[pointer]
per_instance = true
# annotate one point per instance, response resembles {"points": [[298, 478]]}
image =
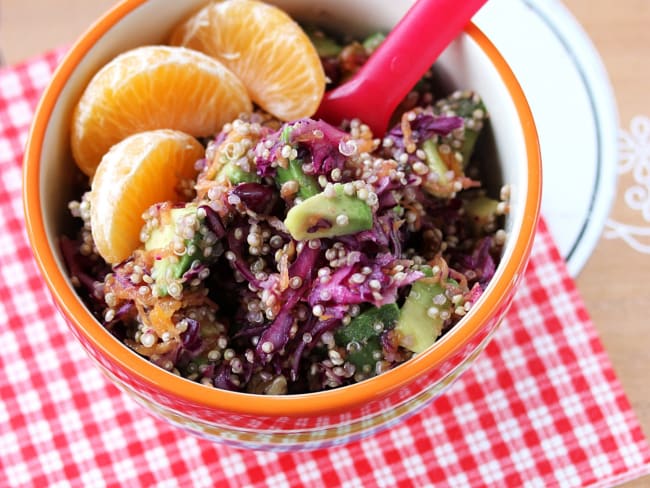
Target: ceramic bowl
{"points": [[299, 421]]}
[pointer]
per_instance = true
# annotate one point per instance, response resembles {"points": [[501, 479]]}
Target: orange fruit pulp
{"points": [[141, 170], [153, 87], [265, 48]]}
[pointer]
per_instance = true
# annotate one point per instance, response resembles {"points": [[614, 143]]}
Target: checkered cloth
{"points": [[541, 407]]}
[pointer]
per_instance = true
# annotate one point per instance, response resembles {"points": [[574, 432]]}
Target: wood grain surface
{"points": [[614, 282]]}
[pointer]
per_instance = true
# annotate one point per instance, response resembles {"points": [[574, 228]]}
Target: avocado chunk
{"points": [[372, 42], [370, 323], [435, 162], [236, 175], [470, 107], [307, 184], [330, 213], [482, 213], [459, 144], [229, 169], [326, 47], [422, 316], [171, 267], [361, 337]]}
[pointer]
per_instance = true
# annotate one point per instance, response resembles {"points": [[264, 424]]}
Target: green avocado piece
{"points": [[471, 136], [366, 356], [364, 333], [307, 184], [482, 214], [417, 328], [366, 324], [326, 215], [172, 267], [435, 162], [236, 175], [326, 47], [230, 171], [470, 107], [373, 41]]}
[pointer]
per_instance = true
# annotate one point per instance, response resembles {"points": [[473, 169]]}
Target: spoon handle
{"points": [[409, 50], [415, 43]]}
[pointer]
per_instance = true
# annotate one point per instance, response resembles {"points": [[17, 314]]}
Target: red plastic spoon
{"points": [[410, 49]]}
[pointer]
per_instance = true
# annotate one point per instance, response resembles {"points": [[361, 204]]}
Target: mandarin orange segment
{"points": [[141, 170], [265, 48], [154, 87]]}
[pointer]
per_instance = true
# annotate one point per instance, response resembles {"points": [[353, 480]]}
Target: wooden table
{"points": [[613, 283]]}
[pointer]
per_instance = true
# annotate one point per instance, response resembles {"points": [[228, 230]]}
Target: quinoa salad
{"points": [[305, 256]]}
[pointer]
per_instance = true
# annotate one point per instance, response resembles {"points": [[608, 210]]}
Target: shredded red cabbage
{"points": [[424, 126]]}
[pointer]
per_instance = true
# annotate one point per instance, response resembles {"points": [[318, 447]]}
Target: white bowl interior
{"points": [[463, 65]]}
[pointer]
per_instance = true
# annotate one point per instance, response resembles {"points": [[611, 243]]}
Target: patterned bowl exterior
{"points": [[276, 422]]}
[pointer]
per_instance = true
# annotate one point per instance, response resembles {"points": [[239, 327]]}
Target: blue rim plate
{"points": [[575, 111]]}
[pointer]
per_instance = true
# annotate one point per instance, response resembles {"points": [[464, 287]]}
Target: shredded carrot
{"points": [[159, 348], [388, 167], [365, 143], [160, 317], [460, 277], [284, 272], [444, 269], [291, 249], [397, 224], [452, 163], [409, 144], [126, 293], [416, 211]]}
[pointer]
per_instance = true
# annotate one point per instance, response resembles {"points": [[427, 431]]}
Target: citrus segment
{"points": [[154, 87], [141, 170], [265, 48]]}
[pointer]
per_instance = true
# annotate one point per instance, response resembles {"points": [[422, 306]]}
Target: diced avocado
{"points": [[373, 41], [419, 328], [329, 214], [435, 162], [169, 269], [172, 267], [326, 47], [471, 136], [285, 135], [470, 107], [229, 170], [237, 175], [482, 213], [365, 357], [160, 237], [365, 325], [361, 336], [465, 104], [307, 184]]}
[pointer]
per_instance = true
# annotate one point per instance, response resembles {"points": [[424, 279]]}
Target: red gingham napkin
{"points": [[541, 407]]}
